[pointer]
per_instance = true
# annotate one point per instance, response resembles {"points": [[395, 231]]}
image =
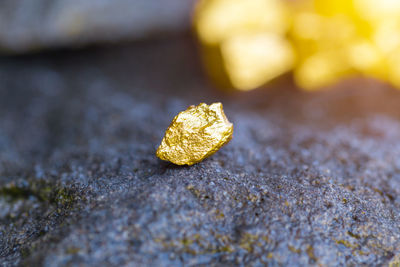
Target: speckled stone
{"points": [[309, 179]]}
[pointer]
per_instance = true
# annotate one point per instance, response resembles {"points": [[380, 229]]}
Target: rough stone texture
{"points": [[308, 179], [31, 25]]}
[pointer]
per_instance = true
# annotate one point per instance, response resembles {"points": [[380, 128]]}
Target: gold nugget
{"points": [[195, 134]]}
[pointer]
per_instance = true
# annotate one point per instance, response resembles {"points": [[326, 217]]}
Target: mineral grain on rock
{"points": [[311, 179], [195, 134]]}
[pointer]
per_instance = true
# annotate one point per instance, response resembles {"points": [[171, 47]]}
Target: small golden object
{"points": [[195, 134]]}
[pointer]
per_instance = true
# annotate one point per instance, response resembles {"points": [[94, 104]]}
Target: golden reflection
{"points": [[244, 42], [253, 59], [247, 43]]}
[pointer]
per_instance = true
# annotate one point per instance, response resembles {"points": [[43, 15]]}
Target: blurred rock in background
{"points": [[27, 25]]}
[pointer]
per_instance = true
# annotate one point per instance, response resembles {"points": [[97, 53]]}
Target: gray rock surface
{"points": [[27, 25], [308, 179]]}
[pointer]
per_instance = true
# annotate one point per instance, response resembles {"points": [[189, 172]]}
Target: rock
{"points": [[195, 134], [308, 179], [27, 25]]}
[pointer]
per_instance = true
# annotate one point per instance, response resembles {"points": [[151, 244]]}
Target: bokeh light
{"points": [[244, 43], [247, 43]]}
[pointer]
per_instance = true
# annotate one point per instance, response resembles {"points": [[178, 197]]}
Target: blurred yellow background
{"points": [[247, 43]]}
